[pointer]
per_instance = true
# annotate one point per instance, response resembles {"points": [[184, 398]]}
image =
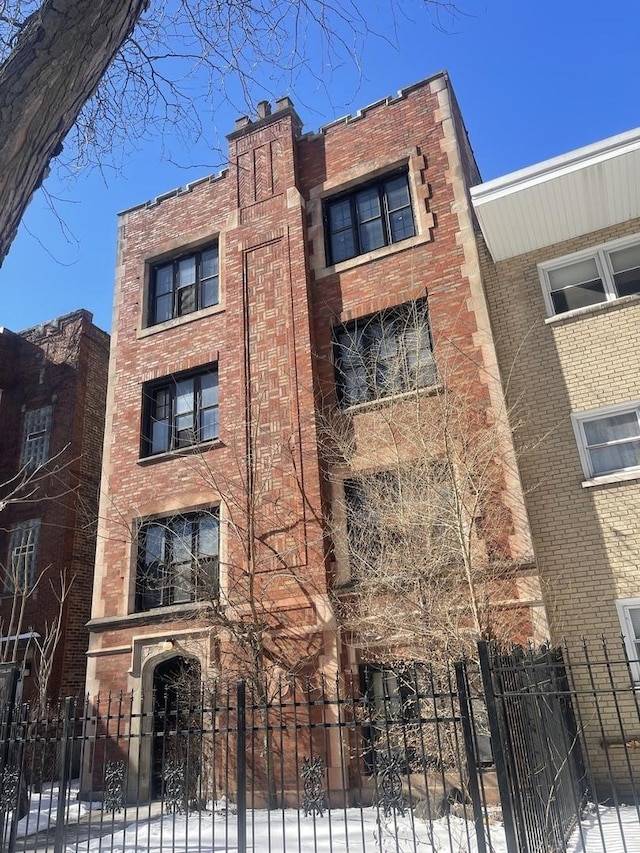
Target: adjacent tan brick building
{"points": [[561, 263]]}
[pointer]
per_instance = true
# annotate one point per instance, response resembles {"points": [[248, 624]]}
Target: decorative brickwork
{"points": [[271, 338]]}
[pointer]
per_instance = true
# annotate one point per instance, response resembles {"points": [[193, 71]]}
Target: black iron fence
{"points": [[530, 751], [565, 731]]}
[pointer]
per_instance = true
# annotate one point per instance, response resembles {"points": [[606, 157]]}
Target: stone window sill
{"points": [[607, 479]]}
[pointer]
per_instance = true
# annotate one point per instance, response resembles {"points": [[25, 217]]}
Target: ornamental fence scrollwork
{"points": [[389, 770], [312, 772], [114, 776], [174, 787]]}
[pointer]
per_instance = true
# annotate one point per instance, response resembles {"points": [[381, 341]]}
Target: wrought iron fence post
{"points": [[10, 678], [241, 772], [471, 754], [21, 738], [65, 773], [504, 787]]}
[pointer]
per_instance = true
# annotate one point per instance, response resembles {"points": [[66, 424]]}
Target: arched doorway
{"points": [[176, 739]]}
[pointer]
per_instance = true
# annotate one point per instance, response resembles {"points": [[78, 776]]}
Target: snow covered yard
{"points": [[616, 831], [144, 829], [352, 830]]}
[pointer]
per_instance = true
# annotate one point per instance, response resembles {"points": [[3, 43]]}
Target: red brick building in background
{"points": [[53, 381], [215, 537]]}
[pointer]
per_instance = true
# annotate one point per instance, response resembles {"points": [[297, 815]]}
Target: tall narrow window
{"points": [[384, 354], [178, 559], [20, 572], [36, 437], [184, 285], [369, 217], [180, 411]]}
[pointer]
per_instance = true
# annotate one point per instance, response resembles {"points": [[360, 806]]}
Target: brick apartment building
{"points": [[246, 313], [53, 381], [561, 265]]}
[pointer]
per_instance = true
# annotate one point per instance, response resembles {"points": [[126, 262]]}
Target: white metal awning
{"points": [[579, 192]]}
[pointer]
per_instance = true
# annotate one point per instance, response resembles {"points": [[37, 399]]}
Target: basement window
{"points": [[601, 274], [368, 217], [629, 615]]}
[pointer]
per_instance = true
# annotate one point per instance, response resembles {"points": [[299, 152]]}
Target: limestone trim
{"points": [[521, 543], [172, 249], [415, 164]]}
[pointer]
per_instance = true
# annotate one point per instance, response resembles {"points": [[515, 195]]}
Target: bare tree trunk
{"points": [[59, 58]]}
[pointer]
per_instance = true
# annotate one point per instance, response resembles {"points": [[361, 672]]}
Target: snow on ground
{"points": [[43, 810], [143, 829], [616, 831], [352, 830]]}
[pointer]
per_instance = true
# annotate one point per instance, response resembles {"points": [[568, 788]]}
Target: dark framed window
{"points": [[410, 509], [178, 559], [366, 499], [368, 217], [180, 411], [384, 354], [392, 701], [183, 285]]}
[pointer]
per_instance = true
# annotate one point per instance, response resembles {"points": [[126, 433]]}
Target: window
{"points": [[180, 411], [178, 559], [393, 516], [587, 278], [609, 439], [365, 501], [35, 441], [384, 354], [23, 553], [629, 615], [367, 218], [184, 285]]}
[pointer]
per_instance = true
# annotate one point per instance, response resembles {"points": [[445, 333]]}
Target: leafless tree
{"points": [[419, 470], [116, 69], [257, 498], [32, 484]]}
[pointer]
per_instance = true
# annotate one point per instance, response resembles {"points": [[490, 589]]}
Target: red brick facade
{"points": [[62, 365], [271, 339]]}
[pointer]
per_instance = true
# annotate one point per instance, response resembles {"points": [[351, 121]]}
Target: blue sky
{"points": [[534, 79]]}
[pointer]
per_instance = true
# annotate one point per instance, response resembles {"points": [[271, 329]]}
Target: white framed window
{"points": [[35, 440], [600, 274], [629, 615], [609, 439], [23, 553]]}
